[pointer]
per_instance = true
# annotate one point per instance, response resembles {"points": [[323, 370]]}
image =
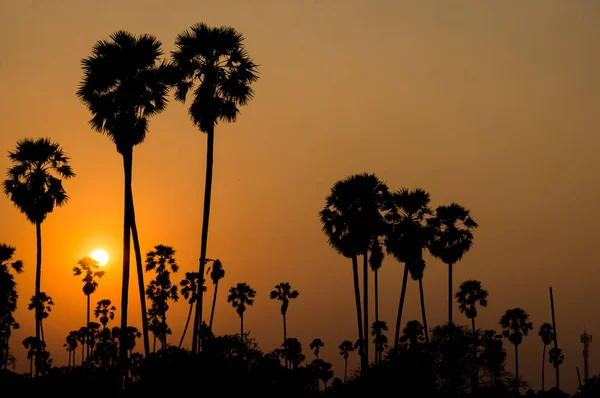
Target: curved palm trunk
{"points": [[285, 350], [517, 369], [205, 219], [377, 331], [401, 307], [358, 309], [423, 313], [366, 310], [187, 323], [450, 303], [140, 273], [212, 310], [123, 357], [543, 366]]}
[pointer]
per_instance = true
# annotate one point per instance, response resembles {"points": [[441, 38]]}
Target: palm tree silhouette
{"points": [[213, 64], [545, 333], [556, 357], [71, 343], [515, 324], [406, 238], [34, 185], [284, 293], [416, 269], [316, 346], [89, 268], [375, 261], [452, 237], [104, 312], [34, 346], [81, 339], [42, 304], [241, 296], [345, 349], [469, 294], [413, 334], [380, 340], [161, 290], [189, 291], [8, 299], [293, 352], [352, 219], [216, 274], [123, 86]]}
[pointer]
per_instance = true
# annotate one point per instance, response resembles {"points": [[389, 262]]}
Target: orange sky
{"points": [[490, 104]]}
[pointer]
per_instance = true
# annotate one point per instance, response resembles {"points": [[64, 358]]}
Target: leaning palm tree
{"points": [[515, 324], [316, 346], [8, 299], [284, 293], [241, 296], [545, 333], [214, 65], [88, 267], [124, 84], [216, 274], [189, 291], [345, 349], [452, 237], [34, 185]]}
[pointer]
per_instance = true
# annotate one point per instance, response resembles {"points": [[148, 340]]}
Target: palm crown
{"points": [[89, 268], [515, 323], [469, 294], [241, 296], [283, 292], [453, 235]]}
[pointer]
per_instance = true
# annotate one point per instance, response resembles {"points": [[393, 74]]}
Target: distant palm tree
{"points": [[545, 333], [452, 237], [35, 187], [284, 293], [469, 294], [214, 65], [413, 334], [104, 312], [81, 339], [189, 291], [124, 84], [71, 343], [515, 324], [216, 274], [316, 346], [556, 357], [293, 352], [89, 268], [241, 296], [8, 299], [42, 304], [34, 346], [375, 261], [345, 349], [407, 237], [381, 340]]}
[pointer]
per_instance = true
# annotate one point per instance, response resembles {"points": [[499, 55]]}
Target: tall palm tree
{"points": [[124, 84], [352, 218], [284, 293], [407, 237], [545, 333], [375, 261], [452, 237], [161, 290], [345, 349], [34, 185], [189, 291], [8, 299], [214, 65], [241, 296], [216, 274], [469, 294], [90, 270], [316, 346], [515, 324], [104, 312]]}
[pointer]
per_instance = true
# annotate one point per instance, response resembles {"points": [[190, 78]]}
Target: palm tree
{"points": [[8, 299], [375, 261], [241, 296], [189, 290], [406, 239], [515, 324], [123, 86], [104, 312], [81, 339], [545, 333], [416, 270], [345, 349], [352, 219], [216, 274], [316, 346], [71, 343], [413, 334], [89, 268], [293, 352], [284, 293], [469, 294], [380, 340], [452, 237], [161, 290], [213, 64], [35, 187], [41, 304]]}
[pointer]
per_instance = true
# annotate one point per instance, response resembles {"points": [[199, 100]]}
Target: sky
{"points": [[491, 104]]}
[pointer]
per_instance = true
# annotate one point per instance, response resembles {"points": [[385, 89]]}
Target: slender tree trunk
{"points": [[242, 327], [366, 307], [38, 283], [82, 353], [140, 275], [345, 369], [88, 326], [164, 336], [187, 323], [377, 331], [212, 310], [400, 307], [517, 369], [127, 165], [450, 302], [555, 337], [358, 309], [423, 313], [205, 219], [70, 354], [154, 344], [285, 350], [543, 366]]}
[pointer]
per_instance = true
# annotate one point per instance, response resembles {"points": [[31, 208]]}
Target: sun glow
{"points": [[101, 256]]}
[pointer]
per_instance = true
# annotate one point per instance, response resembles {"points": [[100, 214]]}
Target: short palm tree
{"points": [[124, 84], [189, 291], [8, 299], [213, 64], [41, 304], [375, 261], [71, 343], [380, 340], [515, 324], [469, 294], [89, 268], [345, 349], [293, 352], [413, 334], [34, 185], [545, 333], [241, 297], [104, 312], [284, 293], [316, 346], [216, 274], [452, 228]]}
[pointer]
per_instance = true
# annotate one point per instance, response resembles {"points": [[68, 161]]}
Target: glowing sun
{"points": [[101, 256]]}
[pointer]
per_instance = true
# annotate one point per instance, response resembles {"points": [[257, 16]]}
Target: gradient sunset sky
{"points": [[491, 104]]}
